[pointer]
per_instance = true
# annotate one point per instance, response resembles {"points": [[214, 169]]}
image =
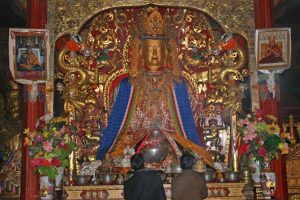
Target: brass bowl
{"points": [[155, 154], [82, 179], [107, 179]]}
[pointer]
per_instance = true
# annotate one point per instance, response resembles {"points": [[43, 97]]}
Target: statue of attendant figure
{"points": [[127, 153], [154, 91]]}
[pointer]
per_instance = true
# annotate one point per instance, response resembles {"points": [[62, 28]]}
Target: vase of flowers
{"points": [[49, 147], [260, 140]]}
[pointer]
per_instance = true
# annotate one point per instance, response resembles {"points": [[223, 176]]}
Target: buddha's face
{"points": [[153, 52]]}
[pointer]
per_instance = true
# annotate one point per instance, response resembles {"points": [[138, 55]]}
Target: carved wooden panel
{"points": [[216, 191], [293, 172]]}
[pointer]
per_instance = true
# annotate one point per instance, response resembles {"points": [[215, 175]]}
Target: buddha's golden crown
{"points": [[153, 24]]}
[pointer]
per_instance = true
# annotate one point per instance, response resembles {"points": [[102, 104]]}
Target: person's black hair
{"points": [[186, 161], [137, 162]]}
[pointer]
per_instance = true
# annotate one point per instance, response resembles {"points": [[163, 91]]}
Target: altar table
{"points": [[216, 191]]}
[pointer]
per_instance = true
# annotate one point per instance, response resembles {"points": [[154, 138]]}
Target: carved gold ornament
{"points": [[68, 16], [154, 24]]}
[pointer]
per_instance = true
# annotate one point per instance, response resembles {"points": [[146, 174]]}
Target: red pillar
{"points": [[263, 14], [264, 19], [36, 18]]}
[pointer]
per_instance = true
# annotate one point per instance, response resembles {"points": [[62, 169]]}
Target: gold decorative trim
{"points": [[68, 16], [114, 75]]}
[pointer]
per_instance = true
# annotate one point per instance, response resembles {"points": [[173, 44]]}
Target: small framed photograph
{"points": [[29, 54], [273, 48]]}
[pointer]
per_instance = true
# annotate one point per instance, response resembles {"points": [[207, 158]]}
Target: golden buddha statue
{"points": [[13, 102], [11, 122], [154, 92]]}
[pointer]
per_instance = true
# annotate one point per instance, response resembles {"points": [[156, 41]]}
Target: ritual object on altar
{"points": [[199, 166], [127, 154], [154, 148], [82, 179], [107, 165]]}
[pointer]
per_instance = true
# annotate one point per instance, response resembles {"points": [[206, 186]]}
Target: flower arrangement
{"points": [[50, 145], [260, 138]]}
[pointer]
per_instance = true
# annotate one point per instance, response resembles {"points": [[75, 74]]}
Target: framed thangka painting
{"points": [[29, 55], [273, 48]]}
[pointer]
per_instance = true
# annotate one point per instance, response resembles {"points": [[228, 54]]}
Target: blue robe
{"points": [[119, 114]]}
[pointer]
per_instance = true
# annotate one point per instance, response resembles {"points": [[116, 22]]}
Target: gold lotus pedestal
{"points": [[216, 191]]}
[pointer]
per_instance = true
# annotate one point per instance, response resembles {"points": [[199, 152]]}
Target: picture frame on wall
{"points": [[273, 48], [29, 54]]}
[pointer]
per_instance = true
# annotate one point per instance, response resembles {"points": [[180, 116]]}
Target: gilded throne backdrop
{"points": [[210, 60]]}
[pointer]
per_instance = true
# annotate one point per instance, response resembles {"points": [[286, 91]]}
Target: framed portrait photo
{"points": [[29, 54], [273, 48]]}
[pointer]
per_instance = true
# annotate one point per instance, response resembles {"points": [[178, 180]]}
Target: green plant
{"points": [[50, 145], [260, 138]]}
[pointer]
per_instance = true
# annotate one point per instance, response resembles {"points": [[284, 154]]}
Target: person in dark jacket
{"points": [[189, 185], [145, 184]]}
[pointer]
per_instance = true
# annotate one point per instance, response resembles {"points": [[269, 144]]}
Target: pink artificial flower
{"points": [[262, 151], [249, 137], [38, 138], [62, 143], [251, 128], [62, 130], [47, 146], [244, 121]]}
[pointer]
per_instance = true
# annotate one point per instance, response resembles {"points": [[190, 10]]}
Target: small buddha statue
{"points": [[127, 154], [13, 102], [107, 164], [199, 166], [11, 117]]}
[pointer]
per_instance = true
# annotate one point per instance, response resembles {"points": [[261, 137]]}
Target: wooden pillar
{"points": [[36, 18], [264, 13]]}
